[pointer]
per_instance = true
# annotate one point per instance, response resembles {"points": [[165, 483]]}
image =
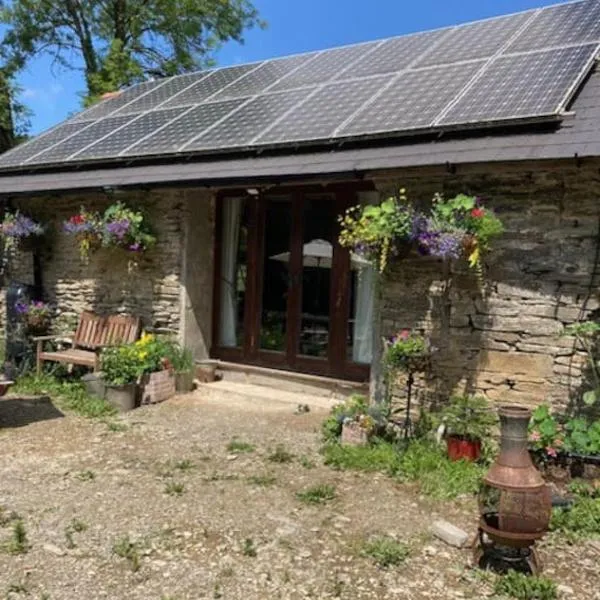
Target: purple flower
{"points": [[21, 307], [20, 226], [118, 228], [135, 247], [76, 228]]}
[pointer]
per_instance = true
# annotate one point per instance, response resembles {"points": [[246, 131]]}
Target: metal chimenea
{"points": [[515, 502]]}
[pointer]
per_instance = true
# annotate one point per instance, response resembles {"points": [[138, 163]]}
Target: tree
{"points": [[121, 42]]}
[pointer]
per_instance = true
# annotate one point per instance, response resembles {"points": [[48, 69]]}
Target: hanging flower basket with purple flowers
{"points": [[87, 229], [126, 228], [16, 229], [35, 315]]}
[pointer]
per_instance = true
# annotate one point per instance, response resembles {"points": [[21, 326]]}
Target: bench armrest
{"points": [[62, 337]]}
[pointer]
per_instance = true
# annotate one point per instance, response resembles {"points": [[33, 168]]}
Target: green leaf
{"points": [[590, 397]]}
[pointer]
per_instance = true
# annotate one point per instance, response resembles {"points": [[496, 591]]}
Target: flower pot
{"points": [[94, 385], [122, 397], [354, 435], [157, 387], [206, 370], [462, 449], [184, 381]]}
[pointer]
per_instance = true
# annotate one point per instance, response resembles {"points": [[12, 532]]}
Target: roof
{"points": [[577, 134]]}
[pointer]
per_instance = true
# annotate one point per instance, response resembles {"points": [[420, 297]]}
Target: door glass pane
{"points": [[317, 255], [234, 248], [278, 228]]}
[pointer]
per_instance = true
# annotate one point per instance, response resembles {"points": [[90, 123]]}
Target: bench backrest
{"points": [[95, 331]]}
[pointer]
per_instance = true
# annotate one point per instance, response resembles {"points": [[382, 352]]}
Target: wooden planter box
{"points": [[354, 435], [157, 387]]}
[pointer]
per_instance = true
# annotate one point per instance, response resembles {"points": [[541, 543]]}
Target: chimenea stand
{"points": [[515, 502]]}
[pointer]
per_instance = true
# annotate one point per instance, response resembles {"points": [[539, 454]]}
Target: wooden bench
{"points": [[94, 332]]}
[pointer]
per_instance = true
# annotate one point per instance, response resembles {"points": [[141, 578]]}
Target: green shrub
{"points": [[332, 426], [385, 551], [580, 520], [317, 494], [525, 587]]}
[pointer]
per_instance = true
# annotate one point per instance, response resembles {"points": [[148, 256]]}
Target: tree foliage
{"points": [[121, 42]]}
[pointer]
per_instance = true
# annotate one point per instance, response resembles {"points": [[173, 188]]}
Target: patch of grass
{"points": [[75, 526], [317, 494], [262, 480], [380, 456], [581, 520], [7, 517], [280, 455], [385, 551], [86, 475], [184, 465], [222, 477], [129, 550], [238, 447], [116, 427], [18, 543], [68, 395], [307, 463], [248, 548], [525, 587], [174, 488]]}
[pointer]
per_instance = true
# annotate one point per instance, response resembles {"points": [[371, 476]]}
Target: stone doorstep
{"points": [[287, 381]]}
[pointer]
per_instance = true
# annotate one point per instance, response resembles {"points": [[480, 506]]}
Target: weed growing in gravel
{"points": [[525, 587], [184, 465], [317, 494], [131, 551], [174, 488], [249, 549], [75, 526], [307, 463], [237, 447], [16, 588], [222, 477], [385, 551], [262, 480], [281, 455], [18, 543], [116, 427], [68, 395], [7, 517], [86, 475], [580, 521]]}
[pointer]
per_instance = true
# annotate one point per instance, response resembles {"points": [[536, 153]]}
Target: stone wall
{"points": [[161, 288], [504, 339]]}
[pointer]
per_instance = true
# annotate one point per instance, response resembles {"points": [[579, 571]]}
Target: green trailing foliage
{"points": [[525, 587]]}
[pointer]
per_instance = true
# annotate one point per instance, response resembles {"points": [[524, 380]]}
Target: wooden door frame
{"points": [[337, 363]]}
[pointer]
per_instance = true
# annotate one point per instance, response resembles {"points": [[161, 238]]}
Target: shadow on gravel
{"points": [[19, 412]]}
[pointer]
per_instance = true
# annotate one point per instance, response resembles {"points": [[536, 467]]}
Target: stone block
{"points": [[450, 534], [517, 363]]}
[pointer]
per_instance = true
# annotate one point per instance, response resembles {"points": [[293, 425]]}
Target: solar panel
{"points": [[266, 75], [320, 115], [520, 86], [106, 107], [80, 140], [21, 153], [576, 23], [475, 40], [209, 86], [251, 119], [394, 55], [132, 132], [174, 135], [413, 101], [165, 92], [325, 66]]}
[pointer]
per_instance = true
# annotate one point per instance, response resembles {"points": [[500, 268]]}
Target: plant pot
{"points": [[157, 387], [184, 381], [94, 385], [354, 435], [122, 397], [206, 370], [463, 449]]}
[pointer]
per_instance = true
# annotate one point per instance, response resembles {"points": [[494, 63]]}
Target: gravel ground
{"points": [[236, 529]]}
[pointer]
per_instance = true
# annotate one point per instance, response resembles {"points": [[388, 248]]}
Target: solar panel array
{"points": [[513, 68]]}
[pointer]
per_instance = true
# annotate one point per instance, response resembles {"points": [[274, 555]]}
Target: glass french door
{"points": [[287, 295]]}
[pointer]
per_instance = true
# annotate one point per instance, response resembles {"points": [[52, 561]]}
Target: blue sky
{"points": [[294, 26]]}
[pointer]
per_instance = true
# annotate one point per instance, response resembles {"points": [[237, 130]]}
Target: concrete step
{"points": [[252, 392], [287, 381]]}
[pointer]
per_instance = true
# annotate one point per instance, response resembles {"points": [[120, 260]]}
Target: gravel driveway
{"points": [[153, 506]]}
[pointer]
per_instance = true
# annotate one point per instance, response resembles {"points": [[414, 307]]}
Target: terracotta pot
{"points": [[462, 449]]}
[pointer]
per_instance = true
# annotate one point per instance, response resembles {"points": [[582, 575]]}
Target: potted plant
{"points": [[36, 316], [467, 421], [126, 228], [17, 230], [122, 368], [407, 351], [182, 361], [157, 381], [86, 227]]}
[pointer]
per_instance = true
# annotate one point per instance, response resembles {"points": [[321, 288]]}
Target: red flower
{"points": [[477, 213], [77, 219], [404, 334]]}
